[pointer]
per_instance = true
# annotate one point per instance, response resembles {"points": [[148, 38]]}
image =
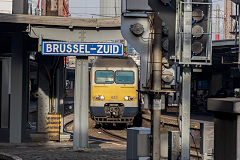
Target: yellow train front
{"points": [[114, 85]]}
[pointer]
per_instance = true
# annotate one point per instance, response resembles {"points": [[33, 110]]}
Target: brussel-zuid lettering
{"points": [[96, 49]]}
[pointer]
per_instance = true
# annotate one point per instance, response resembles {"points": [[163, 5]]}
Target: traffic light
{"points": [[166, 10], [165, 40], [200, 28], [193, 26], [168, 70]]}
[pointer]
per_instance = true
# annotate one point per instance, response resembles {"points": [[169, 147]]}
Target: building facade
{"points": [[6, 6]]}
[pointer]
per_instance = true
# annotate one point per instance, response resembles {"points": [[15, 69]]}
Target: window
{"points": [[104, 77], [124, 77]]}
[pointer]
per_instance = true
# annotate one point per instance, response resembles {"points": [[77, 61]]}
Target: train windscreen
{"points": [[124, 77], [104, 77]]}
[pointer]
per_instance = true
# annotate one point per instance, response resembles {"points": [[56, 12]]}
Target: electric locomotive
{"points": [[114, 84]]}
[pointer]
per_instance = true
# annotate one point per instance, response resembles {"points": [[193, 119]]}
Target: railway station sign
{"points": [[82, 49]]}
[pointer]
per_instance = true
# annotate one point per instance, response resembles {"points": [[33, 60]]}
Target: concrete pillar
{"points": [[4, 93], [16, 86], [43, 91], [20, 6], [60, 79], [81, 103], [25, 93], [46, 65]]}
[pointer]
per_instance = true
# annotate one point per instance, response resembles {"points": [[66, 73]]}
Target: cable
{"points": [[193, 138]]}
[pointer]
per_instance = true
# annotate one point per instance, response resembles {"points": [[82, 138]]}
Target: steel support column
{"points": [[157, 74], [238, 137], [81, 103], [17, 89], [5, 69], [44, 66], [57, 97], [185, 113], [25, 93], [184, 110], [59, 101], [238, 35]]}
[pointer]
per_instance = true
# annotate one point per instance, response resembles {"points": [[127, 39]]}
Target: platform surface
{"points": [[228, 104], [98, 150]]}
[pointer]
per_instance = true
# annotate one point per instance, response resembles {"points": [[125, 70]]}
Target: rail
{"points": [[113, 135]]}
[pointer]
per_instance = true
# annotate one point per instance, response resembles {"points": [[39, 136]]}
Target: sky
{"points": [[84, 8], [79, 8], [90, 8]]}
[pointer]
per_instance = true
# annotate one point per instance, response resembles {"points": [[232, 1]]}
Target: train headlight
{"points": [[102, 97], [126, 98], [99, 97], [130, 98]]}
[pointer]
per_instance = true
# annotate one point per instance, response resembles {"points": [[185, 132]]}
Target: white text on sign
{"points": [[52, 48]]}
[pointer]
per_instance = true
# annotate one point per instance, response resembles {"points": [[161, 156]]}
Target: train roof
{"points": [[114, 62]]}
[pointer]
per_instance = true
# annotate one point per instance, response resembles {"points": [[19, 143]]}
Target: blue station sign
{"points": [[82, 49]]}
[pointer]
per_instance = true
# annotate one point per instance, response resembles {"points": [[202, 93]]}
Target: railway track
{"points": [[65, 127], [106, 132], [171, 121], [109, 133], [162, 122], [146, 119], [194, 149]]}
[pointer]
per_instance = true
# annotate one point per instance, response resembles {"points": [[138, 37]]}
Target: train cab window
{"points": [[104, 77], [124, 77]]}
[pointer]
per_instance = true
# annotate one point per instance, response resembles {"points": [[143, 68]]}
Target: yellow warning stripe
{"points": [[53, 121], [53, 130], [53, 115], [53, 127], [53, 118], [53, 135]]}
